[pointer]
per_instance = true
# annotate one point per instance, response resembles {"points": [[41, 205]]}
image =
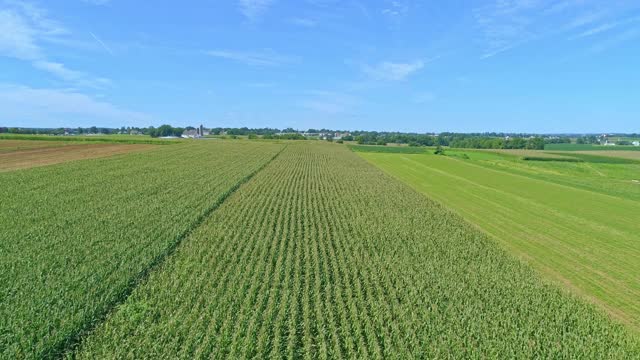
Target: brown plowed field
{"points": [[29, 154]]}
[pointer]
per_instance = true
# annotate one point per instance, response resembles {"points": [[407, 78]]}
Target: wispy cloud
{"points": [[396, 8], [78, 78], [263, 58], [563, 5], [620, 38], [23, 26], [17, 38], [28, 106], [390, 71], [601, 28], [37, 17], [596, 30], [506, 24], [254, 9], [586, 18]]}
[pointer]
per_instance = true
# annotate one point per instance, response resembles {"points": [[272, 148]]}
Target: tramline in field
{"points": [[78, 236], [321, 255]]}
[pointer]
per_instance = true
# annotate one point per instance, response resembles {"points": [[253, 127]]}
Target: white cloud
{"points": [[596, 30], [396, 9], [585, 19], [606, 27], [264, 58], [17, 38], [560, 6], [506, 24], [28, 106], [76, 77], [254, 9], [22, 27], [37, 17], [389, 71]]}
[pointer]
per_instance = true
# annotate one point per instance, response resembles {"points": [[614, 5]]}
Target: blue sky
{"points": [[499, 65]]}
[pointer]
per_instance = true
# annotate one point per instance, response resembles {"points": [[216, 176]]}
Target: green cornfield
{"points": [[76, 238], [321, 255]]}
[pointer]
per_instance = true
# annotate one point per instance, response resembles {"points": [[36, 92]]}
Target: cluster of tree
{"points": [[79, 130], [285, 136], [558, 140], [473, 141], [166, 130], [244, 131], [591, 139], [59, 131], [399, 138], [533, 143], [469, 140]]}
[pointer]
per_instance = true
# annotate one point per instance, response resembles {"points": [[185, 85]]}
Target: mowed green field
{"points": [[578, 223], [263, 250], [589, 147]]}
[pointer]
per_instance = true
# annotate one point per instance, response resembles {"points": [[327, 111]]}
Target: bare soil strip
{"points": [[7, 146], [28, 158]]}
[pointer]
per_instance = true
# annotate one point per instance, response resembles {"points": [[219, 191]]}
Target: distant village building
{"points": [[326, 135], [636, 143], [191, 134], [195, 133], [339, 136]]}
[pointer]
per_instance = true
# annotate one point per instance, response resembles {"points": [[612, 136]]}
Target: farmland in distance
{"points": [[22, 154], [321, 255]]}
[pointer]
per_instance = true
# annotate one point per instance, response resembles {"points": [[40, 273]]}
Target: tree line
{"points": [[470, 141]]}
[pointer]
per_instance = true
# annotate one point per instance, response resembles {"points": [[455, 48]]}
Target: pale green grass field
{"points": [[578, 223]]}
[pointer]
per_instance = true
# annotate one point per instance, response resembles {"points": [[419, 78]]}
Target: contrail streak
{"points": [[101, 43]]}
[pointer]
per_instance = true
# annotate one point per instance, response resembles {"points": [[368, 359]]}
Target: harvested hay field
{"points": [[624, 154], [530, 154], [26, 155]]}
